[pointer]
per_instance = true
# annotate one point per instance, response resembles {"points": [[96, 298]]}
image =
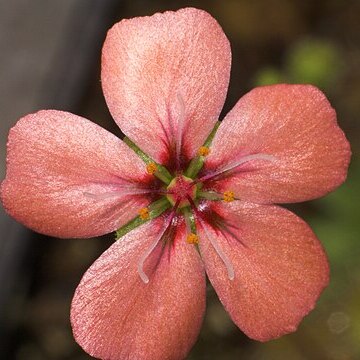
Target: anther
{"points": [[192, 239], [151, 168], [228, 196], [144, 214], [203, 151]]}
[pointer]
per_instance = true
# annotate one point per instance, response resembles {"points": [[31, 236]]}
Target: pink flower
{"points": [[199, 201]]}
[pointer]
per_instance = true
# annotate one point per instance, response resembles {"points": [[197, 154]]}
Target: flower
{"points": [[185, 193]]}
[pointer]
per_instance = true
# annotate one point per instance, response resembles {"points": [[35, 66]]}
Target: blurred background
{"points": [[50, 58]]}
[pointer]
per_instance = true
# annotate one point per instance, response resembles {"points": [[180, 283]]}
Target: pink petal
{"points": [[280, 267], [297, 150], [165, 78], [115, 315], [68, 177]]}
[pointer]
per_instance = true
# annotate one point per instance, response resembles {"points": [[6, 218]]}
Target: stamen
{"points": [[189, 220], [222, 255], [162, 173], [144, 213], [146, 254], [156, 208], [151, 168], [210, 195], [204, 151], [180, 128], [197, 162], [234, 165], [229, 196], [192, 238]]}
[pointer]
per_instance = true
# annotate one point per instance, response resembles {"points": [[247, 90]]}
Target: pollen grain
{"points": [[192, 239], [144, 214], [204, 151], [151, 168], [228, 196]]}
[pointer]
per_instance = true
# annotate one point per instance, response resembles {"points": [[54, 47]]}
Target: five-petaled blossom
{"points": [[185, 193]]}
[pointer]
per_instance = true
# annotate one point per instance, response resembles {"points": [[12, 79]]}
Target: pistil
{"points": [[179, 189]]}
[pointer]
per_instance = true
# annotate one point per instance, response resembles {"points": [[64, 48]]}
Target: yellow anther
{"points": [[203, 151], [192, 239], [144, 213], [151, 168], [229, 196]]}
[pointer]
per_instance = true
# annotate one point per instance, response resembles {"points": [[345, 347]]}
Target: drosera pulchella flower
{"points": [[186, 194]]}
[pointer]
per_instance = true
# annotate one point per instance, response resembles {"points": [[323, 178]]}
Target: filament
{"points": [[180, 129], [119, 193], [224, 258], [234, 165], [153, 245]]}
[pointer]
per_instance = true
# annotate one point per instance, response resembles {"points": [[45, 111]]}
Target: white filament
{"points": [[145, 255], [243, 160], [180, 127], [151, 248], [115, 194], [222, 255]]}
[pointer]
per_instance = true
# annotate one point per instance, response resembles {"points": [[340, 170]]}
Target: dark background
{"points": [[50, 58]]}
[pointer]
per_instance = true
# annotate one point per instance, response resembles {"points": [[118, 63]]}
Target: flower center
{"points": [[185, 192], [180, 189]]}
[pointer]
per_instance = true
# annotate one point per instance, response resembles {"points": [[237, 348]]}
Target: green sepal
{"points": [[155, 209], [197, 162], [161, 173]]}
